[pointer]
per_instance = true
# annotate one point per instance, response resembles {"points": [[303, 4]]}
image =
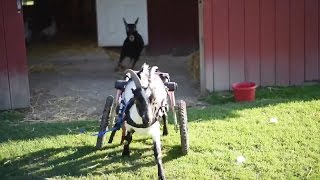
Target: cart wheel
{"points": [[104, 121], [183, 124], [113, 113]]}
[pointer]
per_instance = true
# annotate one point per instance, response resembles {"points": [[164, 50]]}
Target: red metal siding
{"points": [[220, 44], [4, 81], [15, 56], [208, 48], [276, 42], [236, 41], [267, 43], [252, 41], [282, 42], [296, 42], [312, 39]]}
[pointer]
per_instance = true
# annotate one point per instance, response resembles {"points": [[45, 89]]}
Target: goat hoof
{"points": [[125, 153], [165, 133], [162, 178]]}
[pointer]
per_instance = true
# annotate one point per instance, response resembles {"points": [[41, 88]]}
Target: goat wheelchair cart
{"points": [[113, 113]]}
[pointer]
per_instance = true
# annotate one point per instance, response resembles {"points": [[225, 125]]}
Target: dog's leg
{"points": [[120, 66], [134, 62]]}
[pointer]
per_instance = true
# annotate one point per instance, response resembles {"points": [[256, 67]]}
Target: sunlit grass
{"points": [[287, 149]]}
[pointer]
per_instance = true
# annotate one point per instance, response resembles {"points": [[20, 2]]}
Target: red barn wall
{"points": [[14, 84], [269, 42]]}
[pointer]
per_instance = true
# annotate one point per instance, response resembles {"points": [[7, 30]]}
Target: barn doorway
{"points": [[71, 76]]}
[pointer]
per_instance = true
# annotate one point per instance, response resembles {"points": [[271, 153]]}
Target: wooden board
{"points": [[236, 38], [16, 55], [252, 41], [312, 39], [201, 49], [4, 76], [267, 43], [297, 52], [282, 42], [221, 45], [208, 44]]}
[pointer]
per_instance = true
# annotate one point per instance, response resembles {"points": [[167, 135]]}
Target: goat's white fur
{"points": [[154, 84], [151, 84]]}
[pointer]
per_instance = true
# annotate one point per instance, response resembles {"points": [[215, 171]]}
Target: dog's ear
{"points": [[125, 22], [136, 22]]}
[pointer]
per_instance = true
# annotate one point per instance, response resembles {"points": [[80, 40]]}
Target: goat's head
{"points": [[131, 29], [146, 96]]}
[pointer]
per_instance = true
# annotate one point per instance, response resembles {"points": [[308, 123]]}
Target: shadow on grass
{"points": [[84, 160], [69, 160], [15, 130], [222, 105]]}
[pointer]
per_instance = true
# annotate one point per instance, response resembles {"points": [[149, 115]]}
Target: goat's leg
{"points": [[124, 130], [113, 133], [158, 155], [165, 125], [128, 139]]}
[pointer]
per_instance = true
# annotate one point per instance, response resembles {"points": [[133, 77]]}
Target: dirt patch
{"points": [[83, 78]]}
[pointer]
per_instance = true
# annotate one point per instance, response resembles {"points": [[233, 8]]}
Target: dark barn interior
{"points": [[73, 17], [173, 25]]}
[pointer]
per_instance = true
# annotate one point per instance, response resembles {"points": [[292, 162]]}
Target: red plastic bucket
{"points": [[244, 91]]}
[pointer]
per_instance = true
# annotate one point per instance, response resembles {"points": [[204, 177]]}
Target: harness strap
{"points": [[131, 122]]}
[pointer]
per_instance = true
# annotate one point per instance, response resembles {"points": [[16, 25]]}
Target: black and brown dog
{"points": [[132, 45]]}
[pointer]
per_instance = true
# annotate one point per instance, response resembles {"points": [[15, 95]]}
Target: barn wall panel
{"points": [[208, 44], [4, 76], [297, 35], [221, 44], [267, 43], [16, 55], [236, 40], [311, 39], [282, 42], [252, 41]]}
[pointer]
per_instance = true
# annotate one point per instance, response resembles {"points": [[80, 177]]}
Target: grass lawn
{"points": [[287, 149]]}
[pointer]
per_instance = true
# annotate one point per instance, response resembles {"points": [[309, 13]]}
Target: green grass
{"points": [[279, 93], [289, 149]]}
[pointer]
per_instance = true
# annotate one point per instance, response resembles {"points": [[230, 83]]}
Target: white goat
{"points": [[146, 99]]}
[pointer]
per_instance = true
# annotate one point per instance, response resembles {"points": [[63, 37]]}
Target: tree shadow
{"points": [[84, 160]]}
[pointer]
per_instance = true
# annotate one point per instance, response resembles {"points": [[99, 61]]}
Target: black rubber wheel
{"points": [[183, 125], [104, 121]]}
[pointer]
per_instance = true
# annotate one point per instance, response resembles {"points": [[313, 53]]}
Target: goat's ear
{"points": [[124, 21], [136, 22]]}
